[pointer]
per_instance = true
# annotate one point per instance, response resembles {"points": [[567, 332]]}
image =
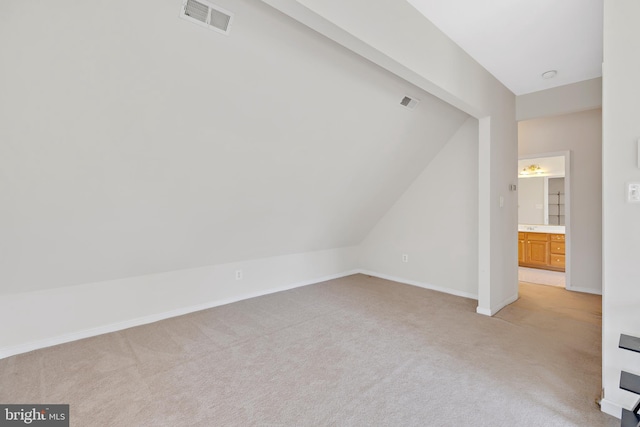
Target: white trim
{"points": [[485, 202], [585, 290], [567, 219], [613, 409], [506, 302], [483, 311], [503, 304], [113, 327], [545, 195], [420, 284], [567, 207]]}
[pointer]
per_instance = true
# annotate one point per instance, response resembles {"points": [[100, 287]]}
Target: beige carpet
{"points": [[543, 277], [357, 351]]}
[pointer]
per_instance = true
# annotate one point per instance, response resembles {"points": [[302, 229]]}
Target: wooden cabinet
{"points": [[536, 249], [556, 251], [521, 251], [541, 250]]}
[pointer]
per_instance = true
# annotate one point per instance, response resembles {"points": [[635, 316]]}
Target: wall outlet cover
{"points": [[633, 192]]}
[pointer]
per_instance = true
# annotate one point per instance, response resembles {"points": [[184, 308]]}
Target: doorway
{"points": [[544, 221]]}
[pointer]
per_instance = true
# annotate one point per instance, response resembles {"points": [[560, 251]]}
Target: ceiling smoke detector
{"points": [[549, 74]]}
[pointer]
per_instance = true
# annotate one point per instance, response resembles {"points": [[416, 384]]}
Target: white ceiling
{"points": [[518, 40]]}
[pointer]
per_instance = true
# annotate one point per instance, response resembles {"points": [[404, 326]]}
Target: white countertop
{"points": [[534, 228]]}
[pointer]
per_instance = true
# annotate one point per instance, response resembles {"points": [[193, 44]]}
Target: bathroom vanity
{"points": [[541, 247]]}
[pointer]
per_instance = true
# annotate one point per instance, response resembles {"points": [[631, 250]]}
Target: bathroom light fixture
{"points": [[549, 74], [531, 170]]}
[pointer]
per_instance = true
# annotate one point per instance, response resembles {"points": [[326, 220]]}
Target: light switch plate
{"points": [[633, 192]]}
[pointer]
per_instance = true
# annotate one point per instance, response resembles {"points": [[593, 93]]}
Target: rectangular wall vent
{"points": [[409, 102], [207, 15]]}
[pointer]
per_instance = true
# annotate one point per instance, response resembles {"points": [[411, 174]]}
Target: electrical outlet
{"points": [[405, 258], [238, 274]]}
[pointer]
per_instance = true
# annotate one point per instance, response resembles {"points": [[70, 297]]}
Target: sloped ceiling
{"points": [[135, 142]]}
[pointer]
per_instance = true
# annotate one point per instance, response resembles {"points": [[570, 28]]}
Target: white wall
{"points": [[134, 142], [580, 96], [434, 223], [397, 37], [581, 133], [621, 220], [531, 200], [53, 316], [143, 159]]}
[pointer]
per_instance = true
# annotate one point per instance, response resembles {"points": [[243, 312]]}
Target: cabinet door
{"points": [[521, 251], [537, 252]]}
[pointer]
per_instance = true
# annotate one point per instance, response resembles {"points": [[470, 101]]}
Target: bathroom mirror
{"points": [[541, 198]]}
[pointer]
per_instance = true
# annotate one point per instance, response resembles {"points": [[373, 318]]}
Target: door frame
{"points": [[567, 207]]}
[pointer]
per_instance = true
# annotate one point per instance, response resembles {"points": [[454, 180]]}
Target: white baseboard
{"points": [[420, 284], [493, 310], [611, 408], [506, 302], [87, 333], [50, 317], [484, 311], [66, 333], [585, 290], [61, 331]]}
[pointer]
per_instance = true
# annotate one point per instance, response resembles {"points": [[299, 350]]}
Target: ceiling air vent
{"points": [[207, 15], [410, 103]]}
